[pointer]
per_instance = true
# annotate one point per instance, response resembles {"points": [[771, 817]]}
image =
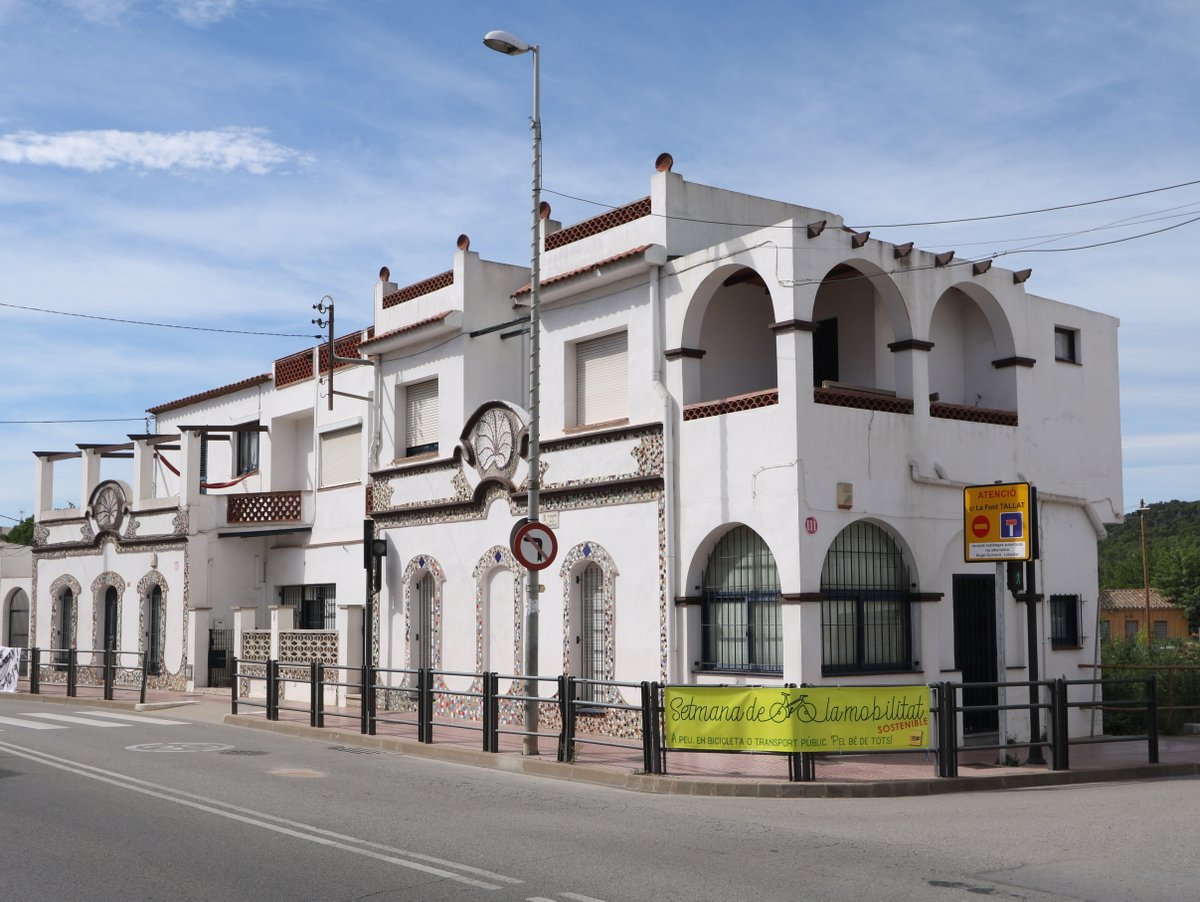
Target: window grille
{"points": [[65, 617], [422, 622], [591, 629], [740, 618], [1064, 621], [866, 619], [154, 645], [18, 624], [314, 606]]}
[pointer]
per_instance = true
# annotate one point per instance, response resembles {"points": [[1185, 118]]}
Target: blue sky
{"points": [[226, 163]]}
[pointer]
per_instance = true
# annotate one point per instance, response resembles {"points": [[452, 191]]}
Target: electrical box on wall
{"points": [[845, 496]]}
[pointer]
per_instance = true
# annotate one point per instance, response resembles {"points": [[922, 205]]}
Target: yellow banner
{"points": [[842, 719]]}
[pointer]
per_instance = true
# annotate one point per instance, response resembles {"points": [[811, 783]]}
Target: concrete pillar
{"points": [[282, 621], [143, 471], [89, 476], [189, 468], [243, 619], [43, 481], [197, 647]]}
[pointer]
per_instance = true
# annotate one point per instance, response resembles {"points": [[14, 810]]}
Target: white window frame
{"points": [[422, 418], [602, 379], [340, 464]]}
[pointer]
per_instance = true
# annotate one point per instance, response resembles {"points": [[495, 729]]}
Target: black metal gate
{"points": [[220, 658], [975, 648]]}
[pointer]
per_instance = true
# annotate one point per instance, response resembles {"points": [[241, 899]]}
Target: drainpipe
{"points": [[1070, 500], [670, 491]]}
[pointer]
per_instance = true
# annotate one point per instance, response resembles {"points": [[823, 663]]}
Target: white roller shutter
{"points": [[602, 379], [341, 452], [421, 418]]}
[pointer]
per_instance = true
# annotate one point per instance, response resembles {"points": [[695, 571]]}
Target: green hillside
{"points": [[1173, 550]]}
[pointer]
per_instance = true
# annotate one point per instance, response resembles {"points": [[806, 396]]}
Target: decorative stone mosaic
{"points": [[498, 557], [574, 561], [144, 587], [99, 589]]}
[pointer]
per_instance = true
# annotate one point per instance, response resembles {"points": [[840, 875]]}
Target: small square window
{"points": [[1066, 344], [1064, 621]]}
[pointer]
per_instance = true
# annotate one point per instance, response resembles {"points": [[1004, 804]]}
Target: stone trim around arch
{"points": [[100, 586], [420, 564], [62, 583], [573, 562], [498, 558], [144, 587]]}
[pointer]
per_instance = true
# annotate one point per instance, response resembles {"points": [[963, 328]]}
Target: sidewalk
{"points": [[688, 773]]}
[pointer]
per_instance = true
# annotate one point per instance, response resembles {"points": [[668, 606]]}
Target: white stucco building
{"points": [[756, 427]]}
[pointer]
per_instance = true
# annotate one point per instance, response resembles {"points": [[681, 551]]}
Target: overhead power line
{"points": [[57, 422], [898, 225], [136, 322]]}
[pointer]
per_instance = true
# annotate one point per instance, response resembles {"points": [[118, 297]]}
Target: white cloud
{"points": [[95, 151], [200, 13]]}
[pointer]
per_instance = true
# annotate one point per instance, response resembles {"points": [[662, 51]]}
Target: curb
{"points": [[707, 786]]}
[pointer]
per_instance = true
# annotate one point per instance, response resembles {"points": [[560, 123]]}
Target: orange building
{"points": [[1123, 614]]}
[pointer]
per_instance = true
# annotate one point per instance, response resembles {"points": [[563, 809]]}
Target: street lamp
{"points": [[510, 45], [1146, 575]]}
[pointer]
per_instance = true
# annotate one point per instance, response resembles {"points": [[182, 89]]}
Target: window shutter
{"points": [[602, 379], [421, 417], [340, 453]]}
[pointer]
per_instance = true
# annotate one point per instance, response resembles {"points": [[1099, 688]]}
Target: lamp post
{"points": [[1146, 575], [510, 45]]}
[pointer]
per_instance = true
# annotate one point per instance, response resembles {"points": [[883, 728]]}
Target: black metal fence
{"points": [[408, 699], [103, 672]]}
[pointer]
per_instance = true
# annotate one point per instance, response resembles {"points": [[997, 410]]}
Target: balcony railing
{"points": [[264, 507], [972, 414], [751, 401]]}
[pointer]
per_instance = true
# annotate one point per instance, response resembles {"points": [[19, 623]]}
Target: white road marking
{"points": [[85, 721], [29, 724], [136, 718], [578, 898], [263, 821]]}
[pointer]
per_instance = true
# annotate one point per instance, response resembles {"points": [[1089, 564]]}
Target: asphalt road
{"points": [[152, 809]]}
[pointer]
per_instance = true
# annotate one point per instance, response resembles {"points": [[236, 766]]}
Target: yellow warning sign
{"points": [[997, 522]]}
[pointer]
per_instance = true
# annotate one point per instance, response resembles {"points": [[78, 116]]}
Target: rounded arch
{"points": [[152, 620], [866, 601], [589, 573], [14, 619], [423, 581], [493, 631], [741, 624], [101, 609], [859, 311], [969, 330], [728, 319], [65, 592]]}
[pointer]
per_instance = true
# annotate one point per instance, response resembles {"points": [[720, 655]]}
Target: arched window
{"points": [[66, 616], [16, 629], [740, 618], [155, 633], [591, 629], [111, 602], [866, 623], [422, 622]]}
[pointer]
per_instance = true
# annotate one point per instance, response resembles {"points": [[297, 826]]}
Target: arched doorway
{"points": [[422, 622], [154, 643]]}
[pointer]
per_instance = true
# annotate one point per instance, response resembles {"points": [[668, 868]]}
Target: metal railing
{"points": [[483, 708], [946, 708], [106, 675]]}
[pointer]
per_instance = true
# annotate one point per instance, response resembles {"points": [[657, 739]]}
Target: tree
{"points": [[1177, 574], [22, 533]]}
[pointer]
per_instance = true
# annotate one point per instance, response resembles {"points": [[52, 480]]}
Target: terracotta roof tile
{"points": [[428, 321], [210, 394], [1132, 600], [584, 270]]}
